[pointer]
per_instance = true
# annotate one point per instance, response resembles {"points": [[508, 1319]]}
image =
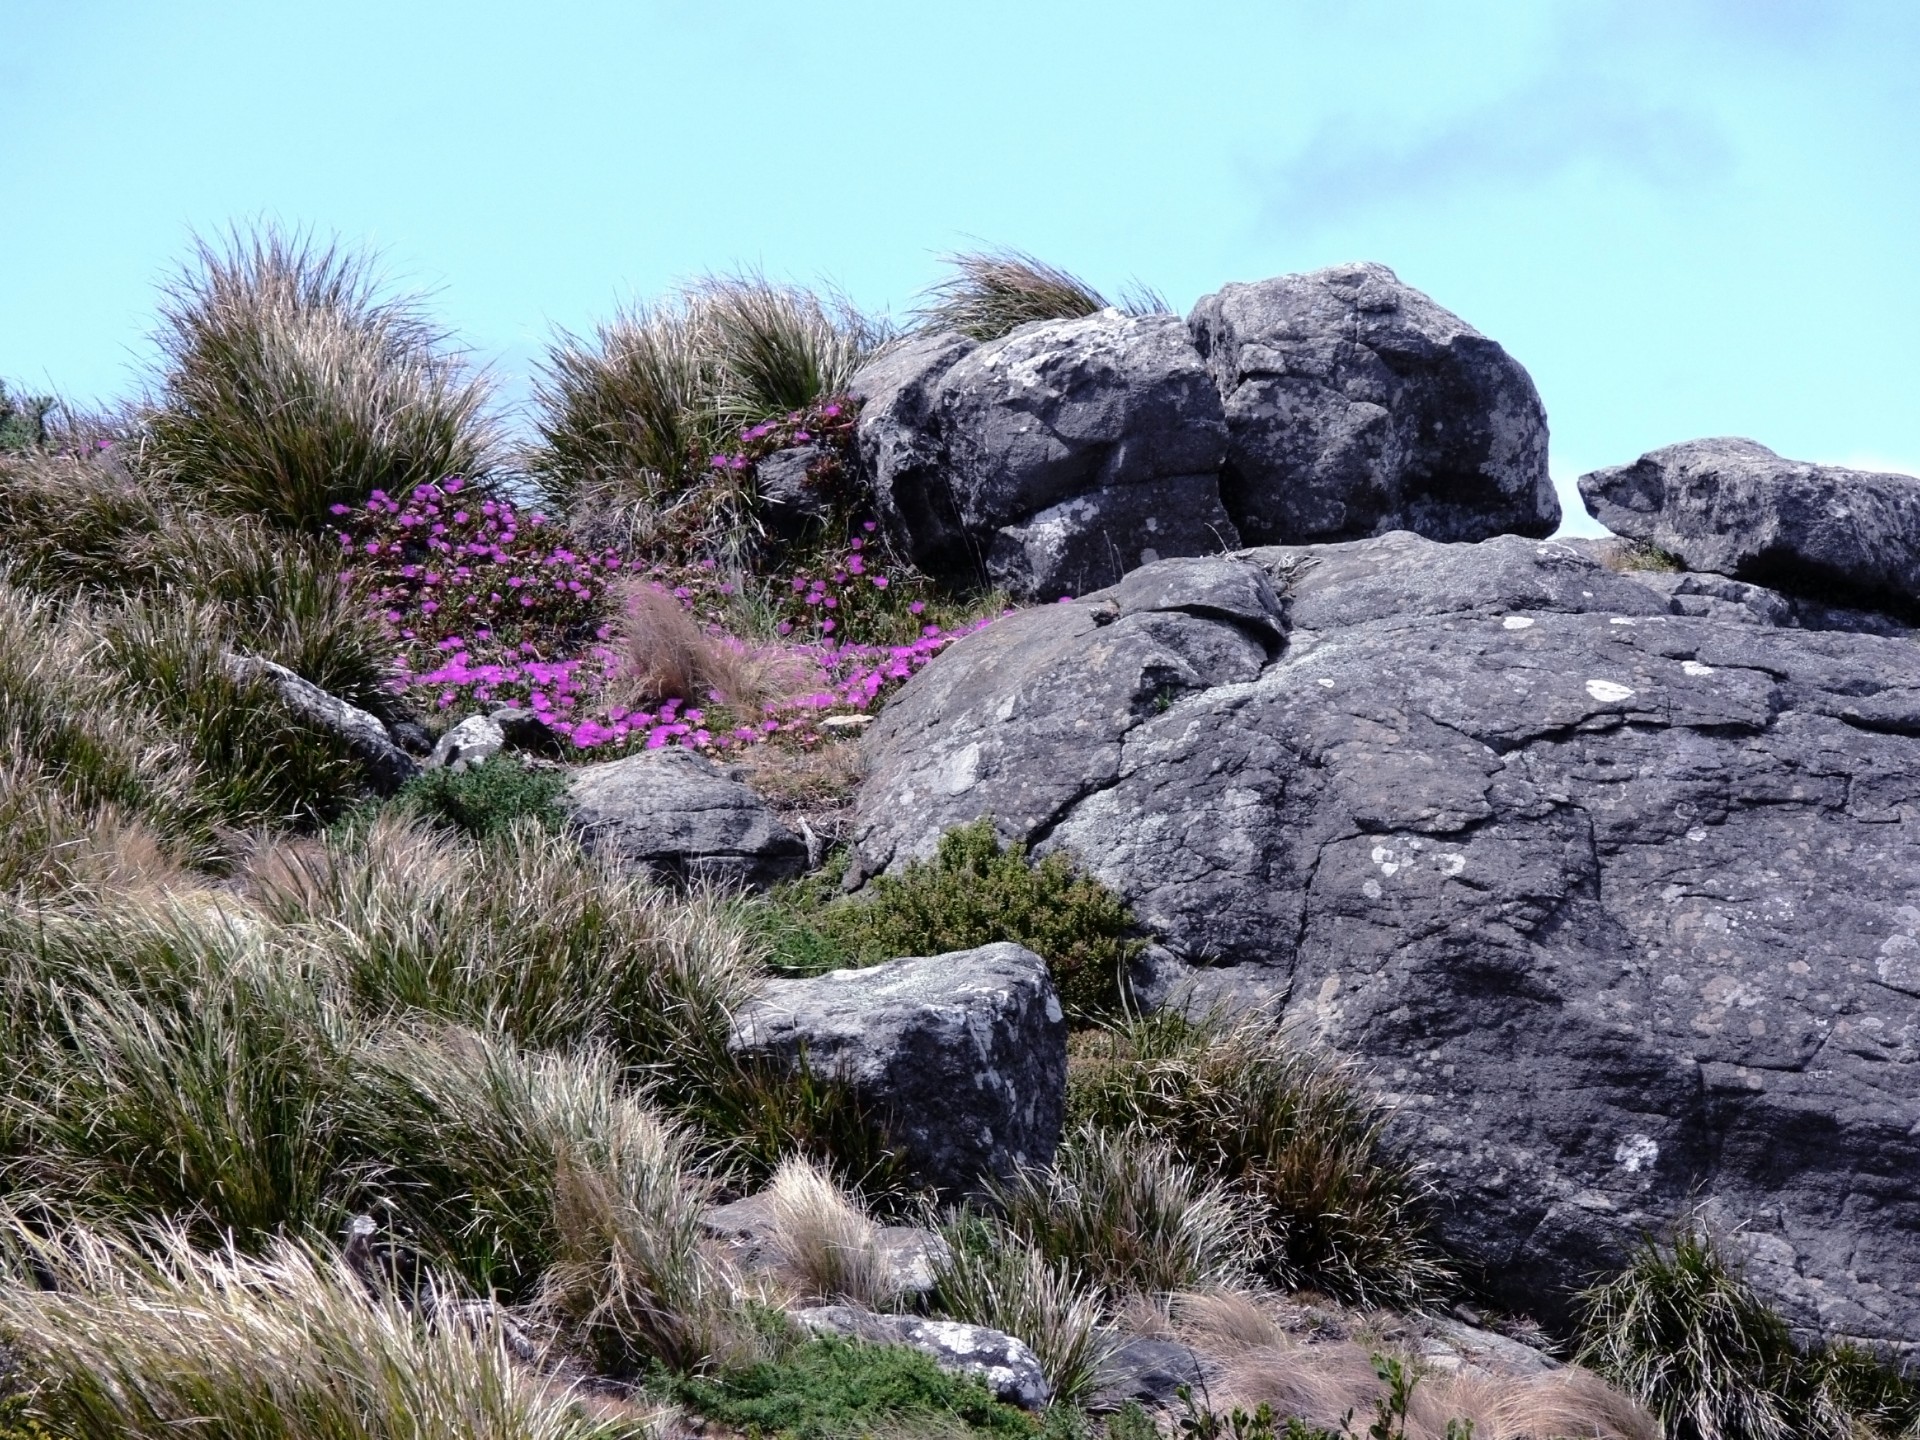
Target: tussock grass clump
{"points": [[827, 1242], [974, 891], [1126, 1214], [630, 417], [993, 1278], [1682, 1330], [993, 292], [1290, 1130], [291, 385], [155, 1339]]}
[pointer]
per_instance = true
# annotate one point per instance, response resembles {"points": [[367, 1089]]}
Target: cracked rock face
{"points": [[1735, 507], [1355, 405], [1612, 881]]}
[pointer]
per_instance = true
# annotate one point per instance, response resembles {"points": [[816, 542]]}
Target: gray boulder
{"points": [[1049, 461], [1734, 507], [1005, 1365], [474, 741], [1356, 405], [963, 1057], [1148, 1371], [1615, 891], [793, 506], [674, 814], [388, 767]]}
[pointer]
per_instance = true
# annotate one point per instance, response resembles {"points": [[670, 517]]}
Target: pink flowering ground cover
{"points": [[487, 605]]}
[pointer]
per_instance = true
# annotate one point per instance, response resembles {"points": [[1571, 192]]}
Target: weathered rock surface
{"points": [[789, 500], [1619, 902], [1734, 507], [1356, 405], [1051, 460], [676, 815], [388, 767], [962, 1056], [1005, 1365], [1150, 1371]]}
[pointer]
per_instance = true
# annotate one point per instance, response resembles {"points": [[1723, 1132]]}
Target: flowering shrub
{"points": [[488, 605]]}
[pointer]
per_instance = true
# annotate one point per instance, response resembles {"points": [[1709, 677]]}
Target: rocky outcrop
{"points": [[1003, 1364], [388, 767], [1615, 889], [1734, 507], [473, 742], [962, 1057], [675, 815], [1312, 407], [1356, 405], [1051, 460]]}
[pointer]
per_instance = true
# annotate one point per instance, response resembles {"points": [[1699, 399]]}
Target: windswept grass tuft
{"points": [[1291, 1130], [156, 1339], [994, 1278], [993, 292], [291, 385], [1127, 1215]]}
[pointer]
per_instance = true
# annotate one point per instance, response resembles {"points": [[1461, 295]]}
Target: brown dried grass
{"points": [[665, 653]]}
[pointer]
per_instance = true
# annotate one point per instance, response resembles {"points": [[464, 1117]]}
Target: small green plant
{"points": [[973, 892], [833, 1389], [486, 800], [23, 420]]}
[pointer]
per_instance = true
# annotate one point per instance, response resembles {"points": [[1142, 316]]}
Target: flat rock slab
{"points": [[962, 1056], [1619, 904], [1734, 507], [673, 814], [1005, 1365]]}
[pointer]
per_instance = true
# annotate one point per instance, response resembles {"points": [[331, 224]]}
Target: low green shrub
{"points": [[833, 1389], [975, 891], [487, 799], [23, 420], [1290, 1130]]}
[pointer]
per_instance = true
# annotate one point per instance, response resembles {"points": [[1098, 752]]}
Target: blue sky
{"points": [[1685, 217]]}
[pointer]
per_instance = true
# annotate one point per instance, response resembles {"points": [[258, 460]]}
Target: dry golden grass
{"points": [[666, 654], [826, 1242]]}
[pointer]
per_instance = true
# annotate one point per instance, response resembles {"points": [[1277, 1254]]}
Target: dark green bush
{"points": [[993, 292], [487, 799], [23, 420], [828, 1389], [973, 892]]}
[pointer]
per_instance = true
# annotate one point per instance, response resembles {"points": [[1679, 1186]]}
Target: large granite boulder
{"points": [[1049, 461], [963, 1057], [1356, 405], [1734, 507], [1618, 903], [677, 816]]}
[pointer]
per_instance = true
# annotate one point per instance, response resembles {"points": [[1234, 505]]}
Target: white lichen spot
{"points": [[1694, 667], [1452, 864], [1636, 1153], [1327, 681], [1608, 692], [1054, 1013], [962, 769], [1620, 620], [1516, 622], [1371, 889], [1696, 835]]}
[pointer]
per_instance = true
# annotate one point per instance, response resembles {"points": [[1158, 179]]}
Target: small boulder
{"points": [[674, 813], [1734, 507], [524, 729], [1148, 1371], [793, 506], [1007, 1367], [962, 1056], [1050, 461], [474, 741], [1355, 405], [388, 766]]}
